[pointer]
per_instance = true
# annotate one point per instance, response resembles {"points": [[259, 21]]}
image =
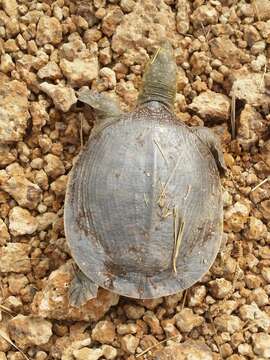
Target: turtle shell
{"points": [[131, 187]]}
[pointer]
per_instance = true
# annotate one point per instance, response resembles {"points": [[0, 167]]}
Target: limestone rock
{"points": [[4, 234], [39, 115], [150, 21], [49, 31], [27, 331], [256, 229], [134, 312], [228, 323], [50, 71], [254, 314], [211, 106], [204, 14], [251, 127], [6, 155], [53, 166], [236, 216], [10, 7], [104, 332], [63, 97], [14, 258], [111, 20], [13, 111], [59, 185], [186, 320], [219, 288], [250, 88], [80, 72], [226, 51], [26, 193], [52, 302], [129, 343], [21, 222], [190, 349], [153, 322], [106, 351], [261, 344], [263, 8], [182, 16]]}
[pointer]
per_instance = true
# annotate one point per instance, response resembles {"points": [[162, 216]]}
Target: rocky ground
{"points": [[48, 50]]}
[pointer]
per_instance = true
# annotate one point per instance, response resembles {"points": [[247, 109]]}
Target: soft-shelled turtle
{"points": [[143, 209]]}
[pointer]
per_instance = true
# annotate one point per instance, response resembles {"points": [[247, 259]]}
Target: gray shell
{"points": [[115, 224]]}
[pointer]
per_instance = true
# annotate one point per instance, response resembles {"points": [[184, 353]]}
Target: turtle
{"points": [[143, 212]]}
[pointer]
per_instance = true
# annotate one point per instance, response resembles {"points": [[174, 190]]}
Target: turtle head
{"points": [[159, 81]]}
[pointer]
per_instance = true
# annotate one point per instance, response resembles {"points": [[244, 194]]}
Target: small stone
{"points": [[10, 7], [13, 111], [261, 344], [153, 322], [263, 8], [190, 349], [250, 88], [88, 354], [266, 274], [7, 156], [127, 5], [197, 295], [123, 329], [27, 331], [211, 106], [6, 64], [182, 16], [46, 220], [204, 14], [220, 288], [236, 217], [21, 222], [80, 72], [63, 97], [129, 343], [253, 281], [15, 258], [53, 166], [39, 115], [4, 234], [59, 185], [134, 312], [49, 31], [109, 352], [111, 20], [256, 229], [186, 320], [53, 303], [104, 332], [228, 323], [50, 71], [26, 193], [2, 356], [226, 51]]}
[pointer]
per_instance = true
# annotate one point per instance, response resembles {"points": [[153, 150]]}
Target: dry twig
{"points": [[153, 346]]}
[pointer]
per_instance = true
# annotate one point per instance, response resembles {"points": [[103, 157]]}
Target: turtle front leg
{"points": [[107, 110], [81, 289], [213, 143]]}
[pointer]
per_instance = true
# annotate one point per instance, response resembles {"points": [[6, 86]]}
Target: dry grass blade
{"points": [[146, 200], [162, 194], [161, 151], [6, 310], [155, 56], [178, 234], [263, 76], [233, 123], [5, 337], [153, 346], [254, 4], [184, 299], [260, 184]]}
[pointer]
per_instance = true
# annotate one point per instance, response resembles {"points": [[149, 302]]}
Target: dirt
{"points": [[48, 50]]}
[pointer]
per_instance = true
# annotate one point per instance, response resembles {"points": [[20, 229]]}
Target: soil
{"points": [[48, 50]]}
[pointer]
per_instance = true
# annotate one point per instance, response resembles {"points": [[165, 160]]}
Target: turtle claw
{"points": [[81, 289]]}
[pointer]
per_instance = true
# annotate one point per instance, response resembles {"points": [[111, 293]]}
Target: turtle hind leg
{"points": [[212, 142], [159, 80], [81, 289]]}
